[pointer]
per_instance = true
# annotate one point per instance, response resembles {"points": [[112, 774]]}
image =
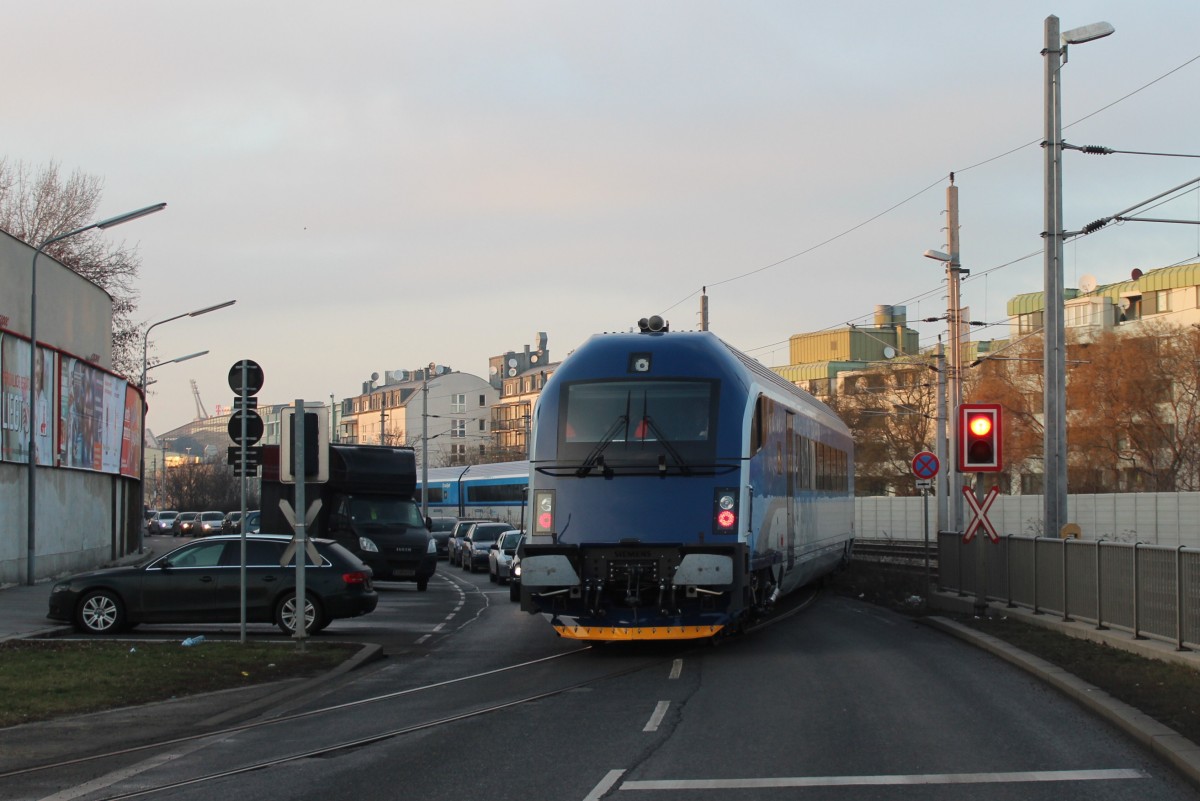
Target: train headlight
{"points": [[543, 505], [725, 510]]}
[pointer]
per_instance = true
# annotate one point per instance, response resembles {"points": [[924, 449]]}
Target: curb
{"points": [[368, 653], [1165, 742]]}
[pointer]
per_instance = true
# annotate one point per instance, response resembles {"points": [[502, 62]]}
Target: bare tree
{"points": [[891, 411], [36, 205]]}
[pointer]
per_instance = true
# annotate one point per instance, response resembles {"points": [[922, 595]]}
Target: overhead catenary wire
{"points": [[894, 207]]}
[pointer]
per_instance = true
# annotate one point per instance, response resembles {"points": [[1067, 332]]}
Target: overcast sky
{"points": [[381, 185]]}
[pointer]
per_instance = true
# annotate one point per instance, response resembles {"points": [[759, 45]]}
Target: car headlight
{"points": [[516, 569], [64, 587], [432, 547], [365, 544]]}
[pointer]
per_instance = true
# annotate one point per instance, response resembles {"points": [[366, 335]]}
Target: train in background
{"points": [[478, 491], [677, 489]]}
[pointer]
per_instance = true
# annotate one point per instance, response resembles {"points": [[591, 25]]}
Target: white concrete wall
{"points": [[1155, 518], [77, 521]]}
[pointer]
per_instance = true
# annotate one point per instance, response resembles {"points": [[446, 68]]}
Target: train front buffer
{"points": [[634, 591]]}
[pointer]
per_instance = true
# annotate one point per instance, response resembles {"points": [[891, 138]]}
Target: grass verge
{"points": [[45, 679], [1167, 692]]}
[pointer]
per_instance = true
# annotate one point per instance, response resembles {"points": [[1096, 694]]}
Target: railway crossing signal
{"points": [[979, 442], [981, 519]]}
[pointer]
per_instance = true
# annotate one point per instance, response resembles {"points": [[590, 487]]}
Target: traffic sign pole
{"points": [[302, 507], [245, 429], [925, 466]]}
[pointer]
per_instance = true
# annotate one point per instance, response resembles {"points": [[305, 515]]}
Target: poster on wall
{"points": [[14, 402], [113, 415], [131, 435], [81, 414], [43, 439], [14, 398]]}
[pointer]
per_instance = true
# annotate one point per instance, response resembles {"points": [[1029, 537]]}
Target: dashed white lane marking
{"points": [[676, 669], [604, 786], [877, 781], [423, 638], [660, 711]]}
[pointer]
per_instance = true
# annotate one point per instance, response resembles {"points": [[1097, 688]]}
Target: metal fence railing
{"points": [[1147, 590]]}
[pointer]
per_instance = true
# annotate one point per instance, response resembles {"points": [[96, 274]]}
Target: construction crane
{"points": [[200, 413]]}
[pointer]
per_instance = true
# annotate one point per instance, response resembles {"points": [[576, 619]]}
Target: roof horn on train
{"points": [[653, 325]]}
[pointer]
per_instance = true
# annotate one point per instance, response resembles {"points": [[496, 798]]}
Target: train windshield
{"points": [[638, 422]]}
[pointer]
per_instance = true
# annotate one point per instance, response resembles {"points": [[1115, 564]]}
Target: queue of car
{"points": [[199, 524], [198, 582]]}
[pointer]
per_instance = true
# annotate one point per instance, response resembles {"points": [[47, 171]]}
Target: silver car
{"points": [[163, 522], [500, 556], [210, 523]]}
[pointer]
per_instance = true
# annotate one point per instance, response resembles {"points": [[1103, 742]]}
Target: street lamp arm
{"points": [[178, 359]]}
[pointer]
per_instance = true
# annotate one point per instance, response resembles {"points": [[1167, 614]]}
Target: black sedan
{"points": [[476, 544], [201, 583]]}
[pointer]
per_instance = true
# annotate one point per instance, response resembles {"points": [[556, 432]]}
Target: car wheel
{"points": [[100, 612], [286, 615], [470, 565], [514, 591], [422, 584], [491, 575]]}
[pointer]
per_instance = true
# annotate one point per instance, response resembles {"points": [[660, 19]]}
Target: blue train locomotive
{"points": [[677, 489]]}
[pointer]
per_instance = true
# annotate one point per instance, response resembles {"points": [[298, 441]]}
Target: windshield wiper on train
{"points": [[666, 443], [596, 456]]}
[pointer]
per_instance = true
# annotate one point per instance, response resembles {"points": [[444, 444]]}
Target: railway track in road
{"points": [[146, 756], [144, 760], [900, 553]]}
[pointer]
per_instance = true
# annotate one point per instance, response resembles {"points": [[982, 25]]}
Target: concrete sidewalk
{"points": [[23, 612], [23, 608]]}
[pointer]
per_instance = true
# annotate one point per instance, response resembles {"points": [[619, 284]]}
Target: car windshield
{"points": [[510, 540], [385, 511], [481, 534], [212, 516]]}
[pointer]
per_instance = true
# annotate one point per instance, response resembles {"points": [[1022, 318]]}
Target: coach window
{"points": [[756, 426]]}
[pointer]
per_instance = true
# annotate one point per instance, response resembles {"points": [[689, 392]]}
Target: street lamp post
{"points": [[1054, 408], [146, 406], [111, 222]]}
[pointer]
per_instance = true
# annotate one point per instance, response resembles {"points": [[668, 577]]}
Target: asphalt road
{"points": [[476, 699]]}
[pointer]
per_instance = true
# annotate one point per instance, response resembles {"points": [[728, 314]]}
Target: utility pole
{"points": [[1054, 355], [425, 443], [382, 415], [943, 482], [954, 319], [954, 273], [703, 308]]}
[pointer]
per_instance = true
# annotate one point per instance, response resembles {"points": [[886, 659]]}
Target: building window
{"points": [[1030, 323], [481, 426], [458, 429], [458, 402], [482, 401]]}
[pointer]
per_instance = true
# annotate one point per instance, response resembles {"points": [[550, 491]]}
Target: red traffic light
{"points": [[979, 438]]}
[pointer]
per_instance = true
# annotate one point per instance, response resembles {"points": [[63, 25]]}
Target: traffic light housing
{"points": [[316, 448], [979, 438]]}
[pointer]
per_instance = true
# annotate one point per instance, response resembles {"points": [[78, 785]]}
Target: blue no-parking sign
{"points": [[925, 465]]}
